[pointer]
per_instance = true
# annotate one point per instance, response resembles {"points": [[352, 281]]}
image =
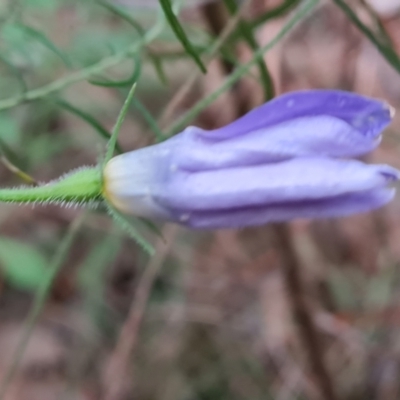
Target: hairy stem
{"points": [[79, 187]]}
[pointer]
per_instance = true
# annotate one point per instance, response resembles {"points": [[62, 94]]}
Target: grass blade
{"points": [[16, 72], [131, 230], [247, 33], [120, 12], [303, 10], [276, 12], [39, 302], [99, 128], [125, 82], [180, 33], [149, 119], [386, 51], [46, 42], [114, 135]]}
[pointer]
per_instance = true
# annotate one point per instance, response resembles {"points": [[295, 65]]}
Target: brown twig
{"points": [[118, 365], [307, 330], [16, 171]]}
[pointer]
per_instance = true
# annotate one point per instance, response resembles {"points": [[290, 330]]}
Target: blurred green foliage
{"points": [[65, 69], [22, 265]]}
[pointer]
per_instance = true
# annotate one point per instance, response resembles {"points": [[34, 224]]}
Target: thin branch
{"points": [[17, 171], [308, 332], [118, 366]]}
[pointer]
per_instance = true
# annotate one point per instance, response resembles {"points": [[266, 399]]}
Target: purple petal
{"points": [[293, 180], [281, 161], [367, 115], [326, 208], [301, 137]]}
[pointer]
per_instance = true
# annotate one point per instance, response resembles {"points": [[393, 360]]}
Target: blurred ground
{"points": [[211, 317]]}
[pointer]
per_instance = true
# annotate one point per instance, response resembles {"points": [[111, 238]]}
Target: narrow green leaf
{"points": [[16, 72], [117, 127], [41, 295], [157, 61], [276, 12], [26, 178], [248, 36], [149, 119], [99, 128], [384, 36], [120, 12], [125, 82], [84, 73], [7, 151], [303, 10], [46, 42], [22, 265], [151, 226], [131, 230], [386, 50], [158, 67], [180, 33]]}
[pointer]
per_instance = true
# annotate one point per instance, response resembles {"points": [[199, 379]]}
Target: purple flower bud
{"points": [[287, 159]]}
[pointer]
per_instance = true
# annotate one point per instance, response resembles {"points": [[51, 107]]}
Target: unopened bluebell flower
{"points": [[292, 157]]}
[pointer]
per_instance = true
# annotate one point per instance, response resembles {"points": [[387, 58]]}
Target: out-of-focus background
{"points": [[85, 314]]}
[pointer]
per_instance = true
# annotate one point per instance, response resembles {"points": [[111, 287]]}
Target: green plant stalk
{"points": [[131, 229], [180, 33], [15, 72], [79, 187], [247, 33], [386, 51], [303, 10], [115, 132], [386, 39], [124, 82], [149, 119], [280, 10], [46, 42], [84, 73], [154, 58], [39, 302], [88, 118]]}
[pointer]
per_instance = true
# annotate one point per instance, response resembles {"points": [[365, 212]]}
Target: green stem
{"points": [[78, 187], [283, 8], [386, 50], [117, 127], [247, 33], [39, 302], [242, 70], [84, 73]]}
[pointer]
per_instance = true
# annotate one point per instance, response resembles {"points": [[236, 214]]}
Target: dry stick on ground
{"points": [[118, 367], [308, 333]]}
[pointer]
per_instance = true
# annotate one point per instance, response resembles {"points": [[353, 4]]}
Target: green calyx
{"points": [[78, 187]]}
